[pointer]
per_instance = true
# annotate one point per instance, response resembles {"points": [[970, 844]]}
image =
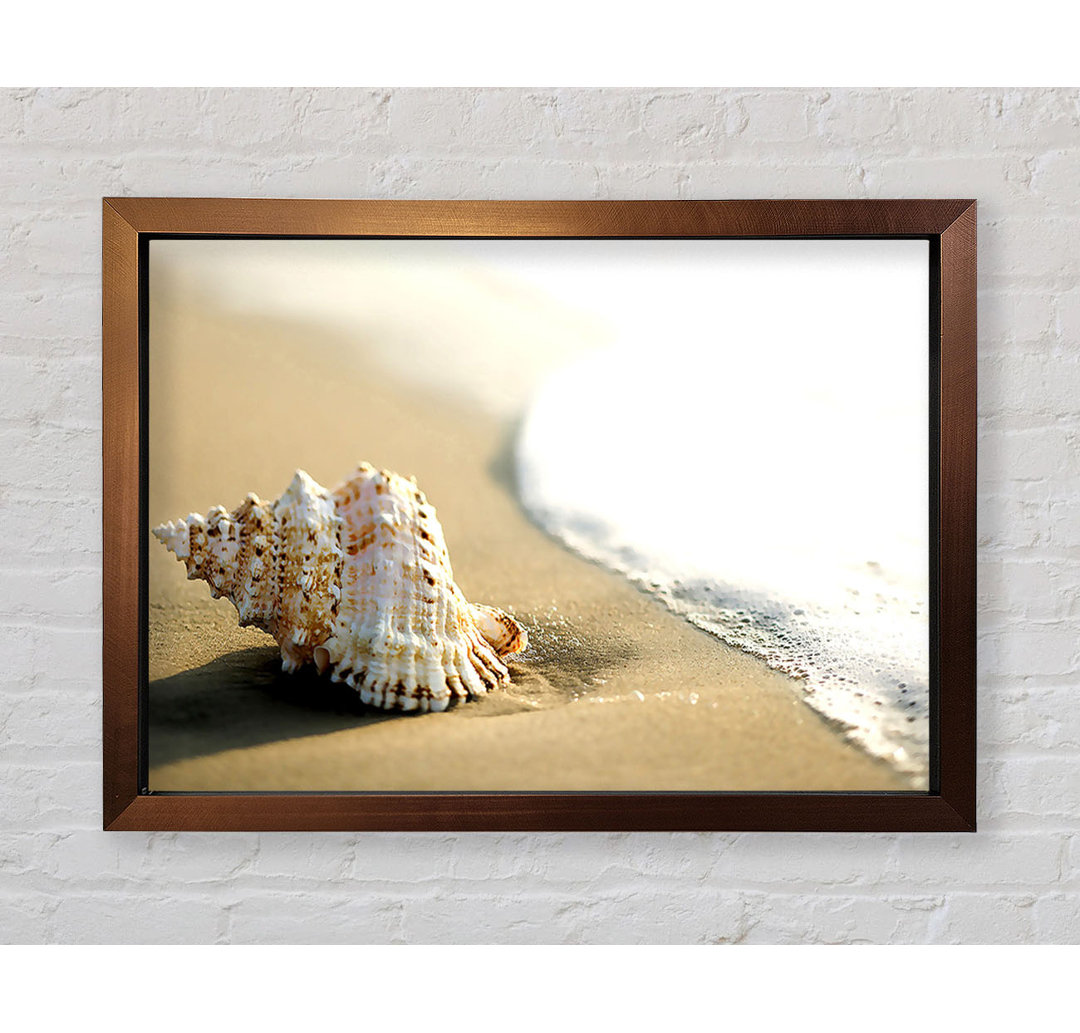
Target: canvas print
{"points": [[453, 515]]}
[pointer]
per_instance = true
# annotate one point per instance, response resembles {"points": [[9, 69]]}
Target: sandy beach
{"points": [[614, 692]]}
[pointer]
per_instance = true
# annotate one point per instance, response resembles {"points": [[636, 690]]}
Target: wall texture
{"points": [[63, 880]]}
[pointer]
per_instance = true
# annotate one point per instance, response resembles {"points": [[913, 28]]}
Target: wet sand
{"points": [[614, 692]]}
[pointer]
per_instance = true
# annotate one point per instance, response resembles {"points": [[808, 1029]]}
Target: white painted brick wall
{"points": [[1016, 881]]}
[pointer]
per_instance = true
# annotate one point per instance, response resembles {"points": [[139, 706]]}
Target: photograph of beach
{"points": [[694, 473]]}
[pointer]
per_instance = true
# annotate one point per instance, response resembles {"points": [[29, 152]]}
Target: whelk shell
{"points": [[357, 581]]}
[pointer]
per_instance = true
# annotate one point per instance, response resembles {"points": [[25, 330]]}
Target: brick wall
{"points": [[63, 880]]}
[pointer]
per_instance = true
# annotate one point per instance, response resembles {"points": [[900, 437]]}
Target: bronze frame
{"points": [[949, 225]]}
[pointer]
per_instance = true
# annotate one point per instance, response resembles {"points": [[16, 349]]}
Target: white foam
{"points": [[774, 492]]}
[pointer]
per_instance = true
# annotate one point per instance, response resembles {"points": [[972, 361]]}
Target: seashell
{"points": [[356, 581]]}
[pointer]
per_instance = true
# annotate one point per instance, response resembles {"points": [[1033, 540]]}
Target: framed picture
{"points": [[539, 515]]}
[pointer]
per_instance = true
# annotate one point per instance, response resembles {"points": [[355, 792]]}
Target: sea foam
{"points": [[776, 497]]}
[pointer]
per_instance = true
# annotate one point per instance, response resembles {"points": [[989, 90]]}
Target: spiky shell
{"points": [[359, 582]]}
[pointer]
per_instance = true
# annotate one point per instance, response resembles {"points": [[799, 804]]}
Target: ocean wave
{"points": [[776, 509]]}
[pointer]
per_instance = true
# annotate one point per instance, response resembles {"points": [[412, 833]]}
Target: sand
{"points": [[614, 692]]}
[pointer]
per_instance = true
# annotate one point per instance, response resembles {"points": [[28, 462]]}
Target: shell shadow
{"points": [[244, 699]]}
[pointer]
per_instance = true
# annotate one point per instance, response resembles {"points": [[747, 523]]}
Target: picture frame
{"points": [[948, 226]]}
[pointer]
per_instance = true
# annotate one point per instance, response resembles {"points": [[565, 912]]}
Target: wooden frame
{"points": [[949, 226]]}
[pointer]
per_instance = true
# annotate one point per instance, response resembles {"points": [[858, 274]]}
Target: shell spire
{"points": [[357, 581]]}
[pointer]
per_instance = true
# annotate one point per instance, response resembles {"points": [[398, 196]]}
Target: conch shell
{"points": [[357, 581]]}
